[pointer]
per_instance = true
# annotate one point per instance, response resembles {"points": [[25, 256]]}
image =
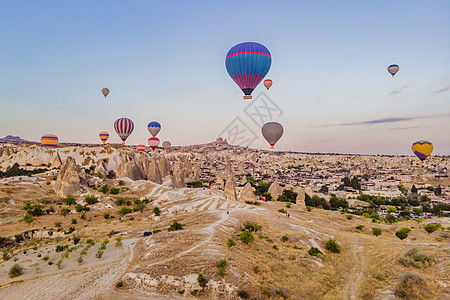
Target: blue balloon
{"points": [[154, 128], [247, 64]]}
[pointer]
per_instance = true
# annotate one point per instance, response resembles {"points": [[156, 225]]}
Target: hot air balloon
{"points": [[49, 141], [272, 132], [166, 145], [153, 142], [268, 83], [140, 148], [124, 127], [422, 149], [104, 136], [247, 64], [154, 128], [393, 69], [105, 92]]}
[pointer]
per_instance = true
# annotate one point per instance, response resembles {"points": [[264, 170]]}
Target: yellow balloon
{"points": [[422, 149]]}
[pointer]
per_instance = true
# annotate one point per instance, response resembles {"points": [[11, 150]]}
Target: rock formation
{"points": [[247, 194], [130, 168], [57, 162], [152, 172], [275, 190], [101, 168], [70, 178], [230, 187], [164, 166]]}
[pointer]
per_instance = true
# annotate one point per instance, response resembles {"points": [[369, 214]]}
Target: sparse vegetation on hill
{"points": [[403, 233]]}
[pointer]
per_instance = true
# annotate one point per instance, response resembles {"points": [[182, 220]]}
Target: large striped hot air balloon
{"points": [[104, 136], [49, 141], [247, 64], [153, 142], [272, 132], [422, 149], [166, 145], [154, 128], [393, 69], [140, 148], [124, 127], [105, 92]]}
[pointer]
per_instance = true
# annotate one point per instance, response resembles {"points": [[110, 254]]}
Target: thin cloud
{"points": [[399, 90], [443, 90], [386, 120]]}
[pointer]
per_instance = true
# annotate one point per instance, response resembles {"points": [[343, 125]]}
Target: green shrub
{"points": [[121, 182], [376, 231], [181, 292], [90, 242], [231, 243], [201, 280], [251, 227], [99, 253], [61, 248], [243, 294], [275, 247], [314, 251], [405, 288], [5, 255], [59, 263], [125, 210], [91, 199], [70, 200], [404, 261], [16, 270], [106, 215], [360, 227], [74, 221], [379, 275], [403, 233], [432, 227], [332, 245], [246, 237], [46, 258], [309, 208], [288, 204], [156, 211], [118, 242], [297, 248], [349, 217], [256, 269], [120, 284], [222, 263], [65, 211], [175, 226], [282, 210], [284, 238], [114, 190], [28, 218]]}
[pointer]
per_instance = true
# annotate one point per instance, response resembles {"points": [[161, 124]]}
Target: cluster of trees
{"points": [[354, 183], [16, 170], [333, 204]]}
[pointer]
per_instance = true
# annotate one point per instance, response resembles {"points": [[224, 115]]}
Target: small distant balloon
{"points": [[393, 69], [247, 64], [124, 127], [268, 83], [166, 145], [49, 141], [140, 148], [154, 128], [153, 142], [105, 92], [104, 136], [422, 149], [272, 132]]}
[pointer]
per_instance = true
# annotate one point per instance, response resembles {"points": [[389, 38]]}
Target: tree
{"points": [[104, 189], [403, 233], [392, 209], [438, 191], [156, 211], [432, 227], [28, 218], [414, 189], [355, 183], [175, 226], [346, 180], [70, 200], [332, 245], [262, 188], [376, 231], [418, 211], [335, 202], [202, 281], [324, 190], [246, 237]]}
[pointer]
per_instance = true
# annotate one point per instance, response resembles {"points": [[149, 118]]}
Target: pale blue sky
{"points": [[164, 61]]}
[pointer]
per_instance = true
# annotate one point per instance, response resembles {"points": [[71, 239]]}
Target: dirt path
{"points": [[93, 281], [356, 265]]}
